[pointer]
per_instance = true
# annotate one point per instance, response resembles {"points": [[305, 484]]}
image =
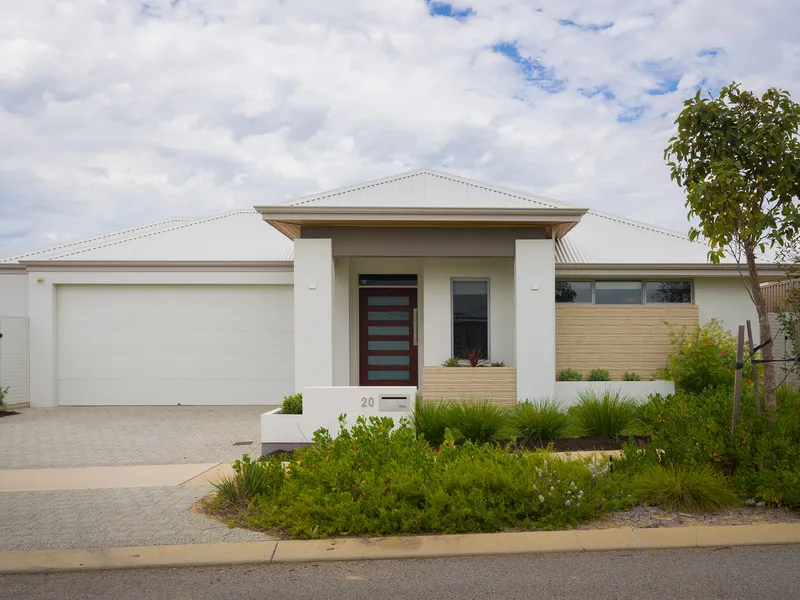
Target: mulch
{"points": [[7, 413], [592, 442]]}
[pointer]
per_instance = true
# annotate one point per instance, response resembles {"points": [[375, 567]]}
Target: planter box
{"points": [[497, 384], [566, 392]]}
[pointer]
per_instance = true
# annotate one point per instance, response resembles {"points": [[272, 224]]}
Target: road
{"points": [[729, 573]]}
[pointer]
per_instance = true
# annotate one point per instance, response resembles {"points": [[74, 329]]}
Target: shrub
{"points": [[479, 421], [451, 362], [762, 461], [498, 363], [631, 377], [684, 487], [249, 480], [431, 420], [599, 375], [701, 357], [539, 420], [3, 392], [607, 413], [569, 375], [375, 479], [292, 405]]}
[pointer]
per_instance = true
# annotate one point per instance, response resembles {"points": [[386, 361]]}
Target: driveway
{"points": [[68, 437]]}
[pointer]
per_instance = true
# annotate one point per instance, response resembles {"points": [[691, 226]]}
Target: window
{"points": [[618, 292], [471, 316], [668, 292], [574, 291], [624, 292]]}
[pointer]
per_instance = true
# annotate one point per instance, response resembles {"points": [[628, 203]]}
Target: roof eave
{"points": [[11, 267], [766, 271], [158, 265], [289, 220]]}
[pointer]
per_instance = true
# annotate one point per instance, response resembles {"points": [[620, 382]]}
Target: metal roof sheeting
{"points": [[235, 236], [426, 189], [243, 235]]}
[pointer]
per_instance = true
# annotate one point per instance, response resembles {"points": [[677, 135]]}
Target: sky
{"points": [[115, 113]]}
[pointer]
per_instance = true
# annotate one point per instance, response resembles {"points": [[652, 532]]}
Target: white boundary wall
{"points": [[323, 405], [567, 391]]}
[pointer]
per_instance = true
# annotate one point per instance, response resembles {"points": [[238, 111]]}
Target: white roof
{"points": [[236, 236], [425, 188], [598, 239]]}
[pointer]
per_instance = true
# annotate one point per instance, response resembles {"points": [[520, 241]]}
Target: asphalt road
{"points": [[729, 573]]}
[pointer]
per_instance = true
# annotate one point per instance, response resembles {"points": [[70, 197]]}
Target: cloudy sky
{"points": [[114, 113]]}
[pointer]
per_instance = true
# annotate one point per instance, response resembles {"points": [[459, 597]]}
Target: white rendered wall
{"points": [[566, 392], [437, 328], [727, 299], [341, 321], [14, 294], [323, 405], [534, 274], [313, 313]]}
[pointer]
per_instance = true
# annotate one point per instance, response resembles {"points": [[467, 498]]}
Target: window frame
{"points": [[643, 282], [488, 281]]}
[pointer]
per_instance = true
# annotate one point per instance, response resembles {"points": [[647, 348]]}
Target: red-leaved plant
{"points": [[473, 356]]}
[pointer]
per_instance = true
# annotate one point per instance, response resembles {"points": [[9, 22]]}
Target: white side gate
{"points": [[14, 373]]}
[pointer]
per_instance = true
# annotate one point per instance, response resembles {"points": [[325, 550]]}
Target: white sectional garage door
{"points": [[174, 344]]}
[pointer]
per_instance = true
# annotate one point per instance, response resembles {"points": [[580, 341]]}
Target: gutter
{"points": [[286, 266]]}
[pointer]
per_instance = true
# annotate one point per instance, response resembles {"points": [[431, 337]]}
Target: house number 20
{"points": [[367, 402]]}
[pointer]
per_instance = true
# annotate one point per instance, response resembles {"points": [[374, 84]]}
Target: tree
{"points": [[737, 157]]}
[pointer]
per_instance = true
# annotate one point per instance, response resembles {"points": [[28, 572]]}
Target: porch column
{"points": [[42, 303], [535, 291], [313, 313]]}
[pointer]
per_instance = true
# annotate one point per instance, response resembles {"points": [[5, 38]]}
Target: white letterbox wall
{"points": [[323, 405]]}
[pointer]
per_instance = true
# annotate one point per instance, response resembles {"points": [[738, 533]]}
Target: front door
{"points": [[388, 336]]}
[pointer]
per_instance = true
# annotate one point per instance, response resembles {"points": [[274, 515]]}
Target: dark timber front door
{"points": [[387, 336]]}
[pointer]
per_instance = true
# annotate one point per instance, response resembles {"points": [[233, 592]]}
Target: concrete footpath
{"points": [[295, 551]]}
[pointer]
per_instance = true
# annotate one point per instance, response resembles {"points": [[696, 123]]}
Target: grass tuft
{"points": [[539, 420], [479, 421], [606, 413], [694, 488], [431, 420], [249, 480]]}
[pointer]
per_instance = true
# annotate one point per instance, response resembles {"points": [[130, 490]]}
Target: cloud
{"points": [[117, 114]]}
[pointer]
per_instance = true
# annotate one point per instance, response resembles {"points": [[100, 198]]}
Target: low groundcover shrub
{"points": [[375, 479], [292, 405]]}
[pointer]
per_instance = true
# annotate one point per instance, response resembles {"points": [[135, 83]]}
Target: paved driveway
{"points": [[127, 435]]}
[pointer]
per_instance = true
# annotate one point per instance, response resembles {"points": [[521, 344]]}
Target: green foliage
{"points": [[479, 421], [451, 362], [599, 375], [607, 413], [696, 488], [292, 405], [3, 392], [569, 375], [631, 377], [375, 479], [431, 420], [539, 420], [737, 157], [701, 357], [762, 460], [249, 480], [498, 363]]}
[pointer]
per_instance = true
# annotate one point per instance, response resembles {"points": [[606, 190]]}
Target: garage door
{"points": [[189, 344]]}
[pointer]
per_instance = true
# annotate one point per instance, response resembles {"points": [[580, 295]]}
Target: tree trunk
{"points": [[770, 399]]}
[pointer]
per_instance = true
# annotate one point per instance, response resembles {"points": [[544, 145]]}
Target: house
{"points": [[374, 284]]}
